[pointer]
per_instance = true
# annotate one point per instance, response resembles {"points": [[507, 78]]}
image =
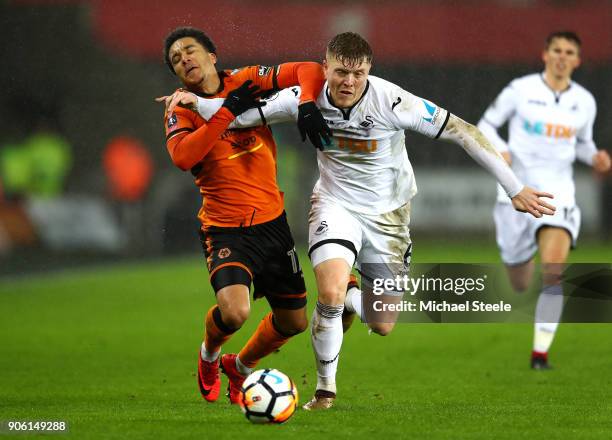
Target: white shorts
{"points": [[516, 232], [337, 232]]}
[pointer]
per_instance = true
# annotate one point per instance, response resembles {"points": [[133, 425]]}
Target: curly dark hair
{"points": [[183, 32]]}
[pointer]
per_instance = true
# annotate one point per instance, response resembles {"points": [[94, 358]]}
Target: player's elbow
{"points": [[183, 165], [183, 162], [474, 130], [182, 153]]}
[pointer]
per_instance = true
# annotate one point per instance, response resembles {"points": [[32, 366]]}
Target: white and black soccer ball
{"points": [[268, 396]]}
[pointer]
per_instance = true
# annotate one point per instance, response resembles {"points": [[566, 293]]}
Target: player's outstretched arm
{"points": [[282, 107], [472, 140], [311, 78], [490, 132], [188, 146], [238, 101]]}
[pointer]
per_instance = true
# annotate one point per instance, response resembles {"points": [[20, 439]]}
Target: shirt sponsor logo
{"points": [[536, 102], [433, 112], [357, 145], [243, 143], [557, 131]]}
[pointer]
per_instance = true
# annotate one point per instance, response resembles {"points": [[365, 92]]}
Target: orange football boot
{"points": [[234, 387], [209, 379]]}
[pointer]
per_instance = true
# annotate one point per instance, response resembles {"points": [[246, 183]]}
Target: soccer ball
{"points": [[268, 396]]}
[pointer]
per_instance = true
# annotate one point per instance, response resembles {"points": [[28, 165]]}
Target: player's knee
{"points": [[236, 317], [382, 329], [290, 324], [295, 327], [332, 294], [300, 326], [520, 286]]}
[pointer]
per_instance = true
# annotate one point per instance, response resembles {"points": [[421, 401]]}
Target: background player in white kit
{"points": [[361, 202], [550, 125]]}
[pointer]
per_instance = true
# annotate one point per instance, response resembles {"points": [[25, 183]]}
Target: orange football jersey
{"points": [[235, 169]]}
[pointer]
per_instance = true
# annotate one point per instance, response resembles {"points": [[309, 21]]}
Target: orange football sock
{"points": [[216, 333], [264, 341]]}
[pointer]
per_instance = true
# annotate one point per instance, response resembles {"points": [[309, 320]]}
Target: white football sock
{"points": [[547, 317], [242, 369], [352, 303], [326, 333], [206, 356]]}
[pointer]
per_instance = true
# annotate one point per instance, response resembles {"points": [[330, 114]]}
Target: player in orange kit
{"points": [[244, 230]]}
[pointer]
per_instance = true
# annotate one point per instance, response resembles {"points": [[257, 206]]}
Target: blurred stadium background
{"points": [[84, 173], [85, 178]]}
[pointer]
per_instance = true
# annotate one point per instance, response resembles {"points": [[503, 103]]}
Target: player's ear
{"points": [[213, 58]]}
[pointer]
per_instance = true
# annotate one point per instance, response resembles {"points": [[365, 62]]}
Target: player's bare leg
{"points": [[222, 321], [520, 275], [357, 301], [233, 301], [274, 330], [385, 320], [554, 245], [332, 278], [290, 322], [348, 314]]}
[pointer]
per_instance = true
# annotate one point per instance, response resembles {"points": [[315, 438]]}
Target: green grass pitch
{"points": [[113, 352]]}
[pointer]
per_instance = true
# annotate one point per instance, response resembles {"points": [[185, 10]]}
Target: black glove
{"points": [[243, 98], [310, 122]]}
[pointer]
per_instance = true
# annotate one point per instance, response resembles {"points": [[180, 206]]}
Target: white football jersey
{"points": [[545, 128], [367, 168]]}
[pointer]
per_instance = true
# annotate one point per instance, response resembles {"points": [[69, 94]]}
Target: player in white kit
{"points": [[361, 202], [550, 124]]}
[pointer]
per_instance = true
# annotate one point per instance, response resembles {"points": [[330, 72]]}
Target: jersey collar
{"points": [[556, 93], [222, 75]]}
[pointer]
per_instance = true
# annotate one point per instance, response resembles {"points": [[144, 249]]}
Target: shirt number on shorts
{"points": [[295, 264]]}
